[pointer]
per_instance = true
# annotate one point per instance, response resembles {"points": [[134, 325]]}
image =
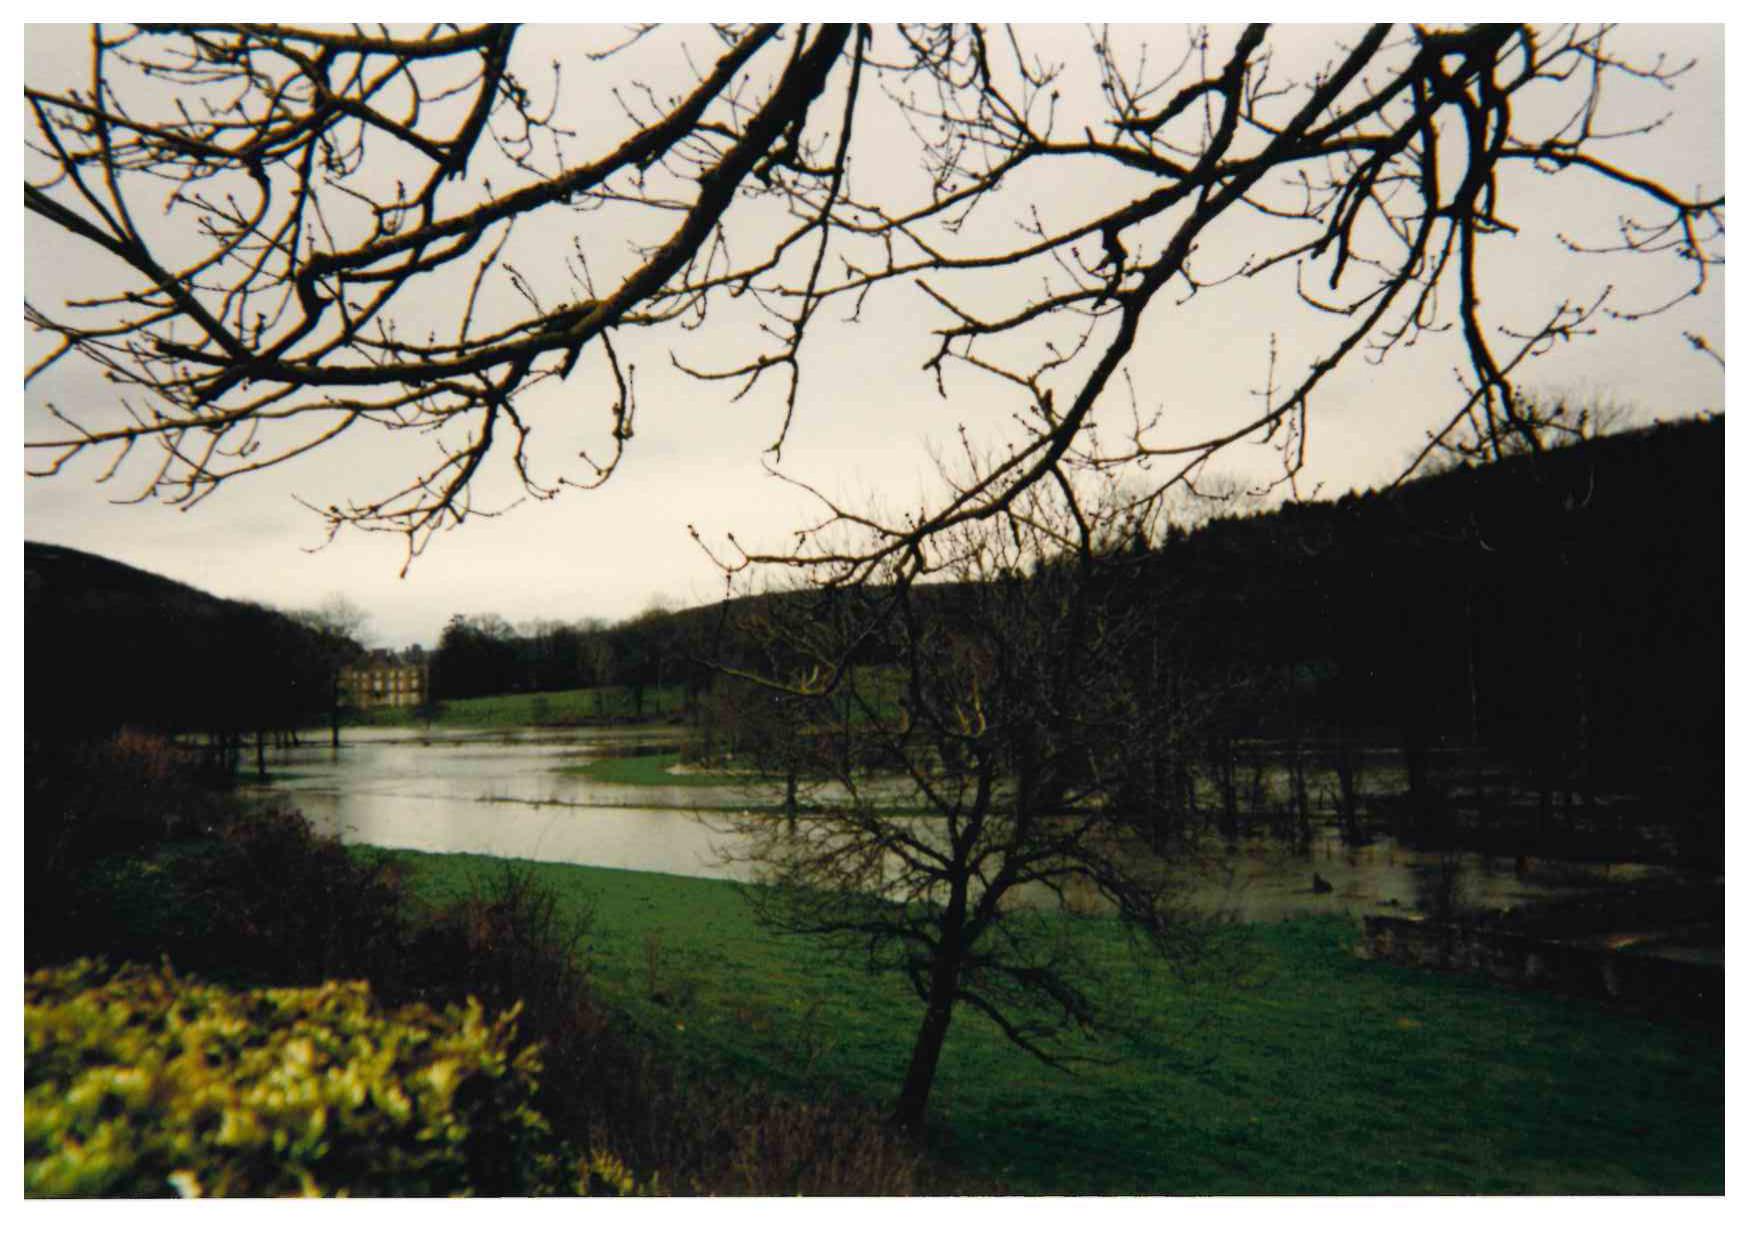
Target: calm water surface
{"points": [[506, 793]]}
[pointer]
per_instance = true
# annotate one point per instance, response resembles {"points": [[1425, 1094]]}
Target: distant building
{"points": [[386, 679]]}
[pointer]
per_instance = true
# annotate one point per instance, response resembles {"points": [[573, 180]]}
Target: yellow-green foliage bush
{"points": [[142, 1083]]}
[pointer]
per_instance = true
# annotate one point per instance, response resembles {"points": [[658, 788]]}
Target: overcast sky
{"points": [[868, 416]]}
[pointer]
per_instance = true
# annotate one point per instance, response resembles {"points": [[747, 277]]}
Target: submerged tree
{"points": [[303, 236], [968, 797]]}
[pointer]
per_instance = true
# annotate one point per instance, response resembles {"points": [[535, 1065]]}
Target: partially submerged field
{"points": [[1321, 1074], [562, 707]]}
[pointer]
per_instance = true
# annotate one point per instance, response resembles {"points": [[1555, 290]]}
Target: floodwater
{"points": [[505, 793], [1265, 882]]}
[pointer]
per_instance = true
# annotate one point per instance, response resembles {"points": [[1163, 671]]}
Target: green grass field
{"points": [[757, 794], [651, 770], [570, 707], [567, 707], [1330, 1075]]}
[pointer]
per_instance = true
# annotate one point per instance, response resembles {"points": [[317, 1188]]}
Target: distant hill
{"points": [[1533, 646], [1565, 608], [107, 645], [1586, 584], [1561, 615]]}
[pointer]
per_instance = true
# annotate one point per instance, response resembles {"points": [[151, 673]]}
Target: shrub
{"points": [[88, 804], [286, 905], [257, 898], [148, 1084], [129, 853], [133, 790], [506, 942], [754, 1143]]}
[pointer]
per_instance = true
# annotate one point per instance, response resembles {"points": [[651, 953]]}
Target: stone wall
{"points": [[1653, 983]]}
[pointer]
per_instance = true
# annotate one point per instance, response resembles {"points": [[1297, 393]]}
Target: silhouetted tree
{"points": [[327, 256], [347, 628], [1007, 720], [476, 657]]}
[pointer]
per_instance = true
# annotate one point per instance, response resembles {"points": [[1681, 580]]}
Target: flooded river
{"points": [[509, 794], [504, 794]]}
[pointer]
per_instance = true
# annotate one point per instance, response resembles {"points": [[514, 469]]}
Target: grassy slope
{"points": [[1336, 1076], [523, 710]]}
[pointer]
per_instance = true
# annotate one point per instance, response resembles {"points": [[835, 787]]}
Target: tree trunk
{"points": [[925, 1056], [1223, 766], [1482, 821], [1298, 794], [1584, 758], [1414, 761], [1347, 776], [1162, 824]]}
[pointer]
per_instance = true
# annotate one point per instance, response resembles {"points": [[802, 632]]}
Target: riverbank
{"points": [[1323, 1074]]}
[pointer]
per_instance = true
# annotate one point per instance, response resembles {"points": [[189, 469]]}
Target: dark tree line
{"points": [[111, 646], [485, 655], [1538, 640], [1517, 655]]}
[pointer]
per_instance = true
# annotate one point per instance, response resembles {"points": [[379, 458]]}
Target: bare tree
{"points": [[313, 234], [338, 616], [346, 627], [969, 783]]}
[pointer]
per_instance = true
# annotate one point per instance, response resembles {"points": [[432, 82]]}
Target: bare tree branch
{"points": [[295, 208]]}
